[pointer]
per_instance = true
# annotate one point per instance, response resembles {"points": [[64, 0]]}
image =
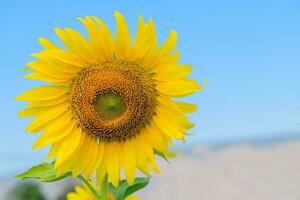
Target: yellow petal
{"points": [[70, 144], [52, 71], [160, 62], [26, 68], [50, 102], [110, 196], [89, 157], [171, 110], [122, 40], [186, 107], [42, 121], [169, 45], [32, 111], [100, 156], [47, 44], [148, 151], [141, 158], [132, 197], [178, 88], [142, 41], [60, 127], [128, 161], [44, 105], [95, 38], [154, 137], [82, 46], [98, 149], [42, 93], [113, 163], [172, 72], [66, 39], [83, 193], [151, 53], [105, 38], [54, 149], [62, 60], [83, 157], [47, 78], [165, 123], [92, 158], [102, 168]]}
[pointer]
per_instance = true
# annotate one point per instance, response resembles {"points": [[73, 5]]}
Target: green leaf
{"points": [[161, 155], [139, 183], [112, 189], [124, 190], [121, 190], [44, 172]]}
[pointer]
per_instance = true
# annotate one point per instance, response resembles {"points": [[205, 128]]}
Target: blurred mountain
{"points": [[265, 169]]}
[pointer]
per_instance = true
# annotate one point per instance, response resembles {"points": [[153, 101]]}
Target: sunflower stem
{"points": [[86, 182], [104, 189]]}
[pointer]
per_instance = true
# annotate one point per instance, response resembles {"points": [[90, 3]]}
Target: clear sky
{"points": [[249, 51]]}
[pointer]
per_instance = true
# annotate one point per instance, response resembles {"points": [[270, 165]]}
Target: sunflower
{"points": [[82, 193], [109, 102]]}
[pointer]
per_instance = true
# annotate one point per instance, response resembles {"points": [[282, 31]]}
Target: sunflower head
{"points": [[110, 101], [113, 100]]}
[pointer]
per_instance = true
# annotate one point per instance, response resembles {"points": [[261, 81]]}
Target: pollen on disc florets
{"points": [[113, 100]]}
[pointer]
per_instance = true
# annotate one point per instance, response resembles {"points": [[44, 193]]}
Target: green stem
{"points": [[104, 189], [86, 182]]}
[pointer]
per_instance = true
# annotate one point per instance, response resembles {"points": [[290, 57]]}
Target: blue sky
{"points": [[249, 51]]}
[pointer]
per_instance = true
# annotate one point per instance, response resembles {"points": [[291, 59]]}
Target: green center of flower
{"points": [[110, 105]]}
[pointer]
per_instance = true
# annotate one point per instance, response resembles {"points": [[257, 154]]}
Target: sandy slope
{"points": [[240, 172], [235, 173]]}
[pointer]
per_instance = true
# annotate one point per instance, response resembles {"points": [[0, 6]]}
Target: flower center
{"points": [[110, 105], [113, 100]]}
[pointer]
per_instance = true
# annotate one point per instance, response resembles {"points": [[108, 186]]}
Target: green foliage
{"points": [[44, 172], [156, 152], [26, 191], [124, 190]]}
